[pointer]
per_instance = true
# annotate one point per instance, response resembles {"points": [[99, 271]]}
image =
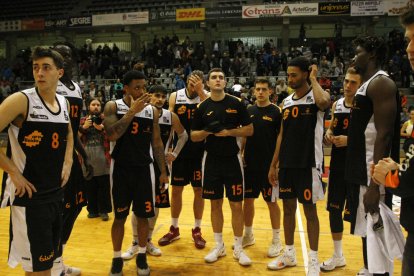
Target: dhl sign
{"points": [[196, 14]]}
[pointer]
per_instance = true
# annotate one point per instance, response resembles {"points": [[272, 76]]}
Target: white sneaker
{"points": [[313, 267], [284, 260], [363, 272], [275, 249], [152, 250], [248, 240], [131, 252], [333, 263], [72, 271], [215, 253], [243, 259]]}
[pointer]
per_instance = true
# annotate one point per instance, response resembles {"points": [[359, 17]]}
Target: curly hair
{"points": [[373, 44]]}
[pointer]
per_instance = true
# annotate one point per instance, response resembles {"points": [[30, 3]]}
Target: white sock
{"points": [[276, 234], [142, 250], [248, 230], [313, 254], [117, 254], [218, 237], [290, 249], [338, 248], [238, 242], [174, 222], [197, 223]]}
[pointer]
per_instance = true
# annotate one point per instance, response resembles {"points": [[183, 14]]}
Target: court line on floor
{"points": [[302, 238]]}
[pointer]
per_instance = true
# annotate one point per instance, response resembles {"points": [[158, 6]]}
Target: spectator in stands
{"points": [[275, 63], [407, 131], [281, 91], [226, 63], [324, 66], [92, 90], [236, 88], [179, 82], [324, 81], [118, 89], [235, 66], [244, 67]]}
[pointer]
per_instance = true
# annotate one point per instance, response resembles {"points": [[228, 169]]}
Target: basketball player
{"points": [[337, 189], [399, 179], [132, 127], [39, 127], [374, 124], [221, 121], [75, 190], [299, 157], [187, 167], [258, 152], [168, 122]]}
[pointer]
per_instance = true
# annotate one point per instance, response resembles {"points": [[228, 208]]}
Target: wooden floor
{"points": [[90, 246]]}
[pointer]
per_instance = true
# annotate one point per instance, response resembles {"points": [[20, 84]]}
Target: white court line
{"points": [[302, 238]]}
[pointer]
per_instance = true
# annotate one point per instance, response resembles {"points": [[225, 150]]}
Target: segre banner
{"points": [[197, 14], [129, 18], [367, 8], [80, 21]]}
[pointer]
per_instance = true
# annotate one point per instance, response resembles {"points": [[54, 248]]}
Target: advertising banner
{"points": [[10, 26], [128, 18], [397, 7], [33, 24], [367, 8], [305, 9], [162, 16], [224, 13], [261, 11], [80, 21], [336, 8], [55, 23], [196, 14]]}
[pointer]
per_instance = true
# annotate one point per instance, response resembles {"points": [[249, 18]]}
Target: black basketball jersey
{"points": [[165, 122], [184, 107], [38, 150], [339, 127], [134, 148], [229, 113], [301, 145], [362, 135], [74, 97], [259, 149]]}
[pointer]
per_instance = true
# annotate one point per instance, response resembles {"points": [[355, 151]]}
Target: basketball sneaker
{"points": [[172, 235], [275, 249], [248, 240], [152, 250], [243, 259], [131, 251], [116, 268], [333, 263], [215, 253], [142, 266], [199, 242], [313, 267], [71, 271], [287, 259]]}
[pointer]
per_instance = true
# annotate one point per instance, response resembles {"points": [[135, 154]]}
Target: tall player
{"points": [[39, 127], [298, 157], [168, 122], [337, 135], [75, 190], [373, 131], [132, 127], [187, 167], [258, 152]]}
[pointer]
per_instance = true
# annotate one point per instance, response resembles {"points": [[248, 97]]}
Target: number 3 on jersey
{"points": [[135, 126]]}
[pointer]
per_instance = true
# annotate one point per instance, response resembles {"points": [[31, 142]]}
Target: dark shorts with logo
{"points": [[185, 171], [256, 182], [35, 236], [221, 173], [296, 183], [134, 185], [162, 199], [337, 190]]}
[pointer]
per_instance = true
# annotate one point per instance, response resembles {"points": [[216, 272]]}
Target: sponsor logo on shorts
{"points": [[336, 206], [178, 178], [26, 259], [33, 139], [207, 192], [120, 210], [232, 111], [43, 258], [285, 190]]}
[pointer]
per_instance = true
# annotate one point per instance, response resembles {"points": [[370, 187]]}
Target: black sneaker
{"points": [[104, 216], [142, 266], [116, 269]]}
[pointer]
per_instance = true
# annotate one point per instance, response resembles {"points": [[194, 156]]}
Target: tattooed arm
{"points": [[116, 128]]}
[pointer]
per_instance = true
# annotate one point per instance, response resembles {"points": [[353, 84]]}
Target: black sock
{"points": [[117, 264], [142, 261]]}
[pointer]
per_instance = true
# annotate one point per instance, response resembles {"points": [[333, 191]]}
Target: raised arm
{"points": [[322, 98], [171, 101]]}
